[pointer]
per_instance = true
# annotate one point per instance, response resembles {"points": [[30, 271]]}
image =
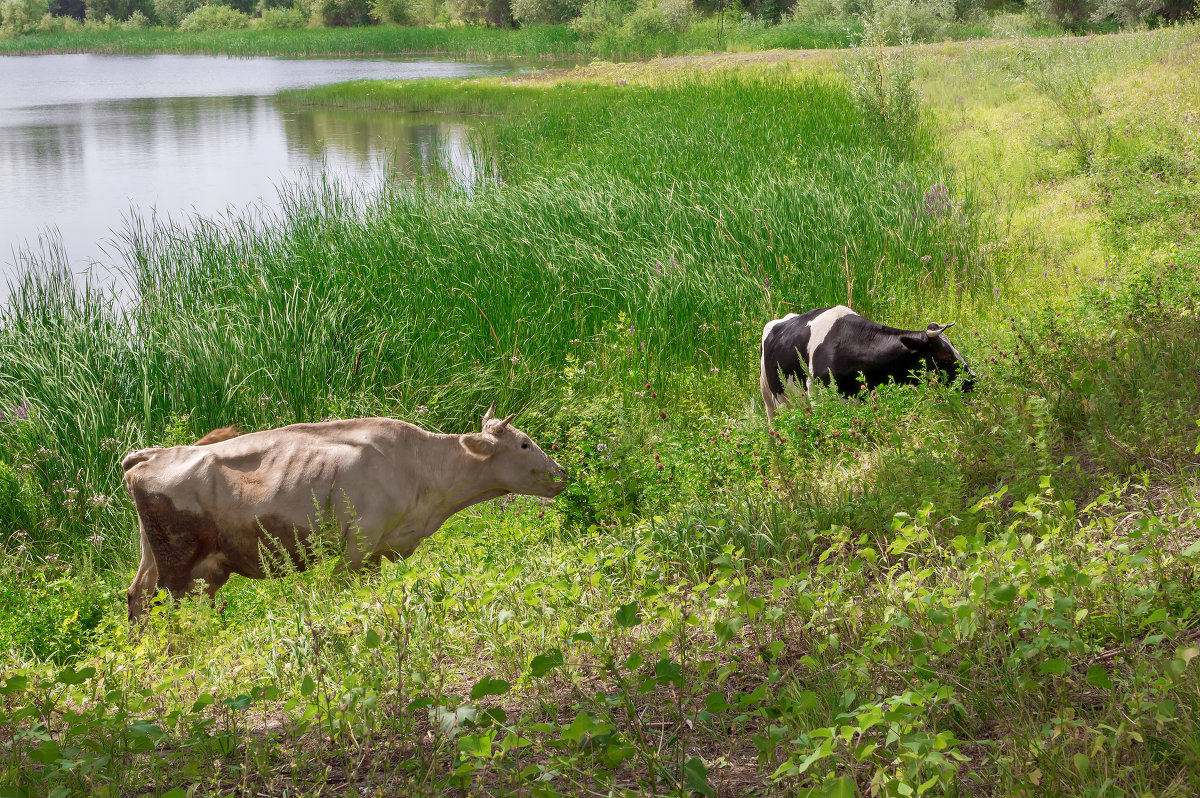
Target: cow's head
{"points": [[935, 348], [517, 463]]}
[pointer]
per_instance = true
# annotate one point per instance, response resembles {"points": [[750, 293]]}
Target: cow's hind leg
{"points": [[145, 582]]}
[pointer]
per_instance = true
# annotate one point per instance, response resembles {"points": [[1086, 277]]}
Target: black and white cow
{"points": [[838, 345]]}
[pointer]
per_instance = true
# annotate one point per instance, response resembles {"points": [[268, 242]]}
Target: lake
{"points": [[87, 139]]}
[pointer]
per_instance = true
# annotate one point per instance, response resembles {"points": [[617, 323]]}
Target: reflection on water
{"points": [[430, 146], [81, 165]]}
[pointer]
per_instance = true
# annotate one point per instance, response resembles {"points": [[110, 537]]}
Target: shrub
{"points": [[552, 12], [392, 12], [340, 13], [884, 86], [493, 12], [137, 21], [281, 18], [100, 11], [921, 20], [172, 12], [54, 24], [1131, 12], [22, 16], [809, 10], [1071, 14], [657, 18], [597, 17], [214, 18]]}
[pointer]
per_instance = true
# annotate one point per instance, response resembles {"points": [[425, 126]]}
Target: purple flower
{"points": [[937, 200], [996, 292], [18, 413]]}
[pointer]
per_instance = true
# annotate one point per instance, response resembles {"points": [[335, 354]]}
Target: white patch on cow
{"points": [[770, 399], [819, 328]]}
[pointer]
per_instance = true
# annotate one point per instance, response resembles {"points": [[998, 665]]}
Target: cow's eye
{"points": [[524, 445]]}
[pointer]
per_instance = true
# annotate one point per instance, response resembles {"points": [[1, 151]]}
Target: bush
{"points": [[552, 12], [1071, 14], [884, 87], [392, 12], [282, 18], [598, 17], [110, 13], [340, 13], [920, 20], [493, 12], [214, 18], [172, 12], [53, 24], [22, 16], [1131, 12], [658, 18], [137, 21]]}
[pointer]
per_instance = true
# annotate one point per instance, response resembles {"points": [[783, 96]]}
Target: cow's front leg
{"points": [[145, 581]]}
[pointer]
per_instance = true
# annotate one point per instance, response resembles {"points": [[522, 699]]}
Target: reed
{"points": [[685, 216]]}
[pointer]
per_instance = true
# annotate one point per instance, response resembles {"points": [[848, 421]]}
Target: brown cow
{"points": [[208, 511]]}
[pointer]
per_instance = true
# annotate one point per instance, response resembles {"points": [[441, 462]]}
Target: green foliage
{"points": [[597, 17], [1065, 75], [22, 16], [493, 12], [282, 19], [657, 17], [339, 13], [393, 12], [545, 11], [214, 17], [173, 12], [884, 87], [115, 11]]}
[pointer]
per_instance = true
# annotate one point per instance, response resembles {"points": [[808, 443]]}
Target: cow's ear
{"points": [[915, 342], [480, 446]]}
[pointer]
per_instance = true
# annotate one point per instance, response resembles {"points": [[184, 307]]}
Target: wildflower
{"points": [[996, 292], [937, 200], [926, 258], [589, 364], [600, 447], [662, 415], [714, 370], [96, 539], [422, 410], [514, 359], [647, 386], [554, 447], [576, 341], [767, 282], [653, 394], [98, 499]]}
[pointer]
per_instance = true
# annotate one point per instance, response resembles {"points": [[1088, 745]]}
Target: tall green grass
{"points": [[665, 223]]}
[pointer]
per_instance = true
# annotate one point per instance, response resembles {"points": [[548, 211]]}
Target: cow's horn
{"points": [[504, 422], [490, 414], [936, 329]]}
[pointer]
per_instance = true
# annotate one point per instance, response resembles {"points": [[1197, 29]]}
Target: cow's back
{"points": [[288, 472], [785, 347]]}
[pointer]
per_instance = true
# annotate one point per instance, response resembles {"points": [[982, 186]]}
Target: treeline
{"points": [[589, 19]]}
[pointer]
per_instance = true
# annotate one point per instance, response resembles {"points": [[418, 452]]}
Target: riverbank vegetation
{"points": [[547, 29], [918, 593]]}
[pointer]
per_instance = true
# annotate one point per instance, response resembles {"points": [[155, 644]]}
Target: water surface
{"points": [[86, 138]]}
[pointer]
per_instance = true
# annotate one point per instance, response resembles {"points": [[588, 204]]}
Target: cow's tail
{"points": [[769, 403], [218, 435], [142, 455]]}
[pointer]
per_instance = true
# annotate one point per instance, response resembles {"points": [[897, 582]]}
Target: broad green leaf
{"points": [[1098, 677], [544, 663], [841, 787], [489, 686], [695, 773], [628, 615], [307, 686]]}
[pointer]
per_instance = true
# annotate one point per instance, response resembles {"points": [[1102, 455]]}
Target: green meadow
{"points": [[919, 593]]}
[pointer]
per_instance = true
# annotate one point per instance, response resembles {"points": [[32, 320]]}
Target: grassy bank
{"points": [[918, 593], [552, 42]]}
